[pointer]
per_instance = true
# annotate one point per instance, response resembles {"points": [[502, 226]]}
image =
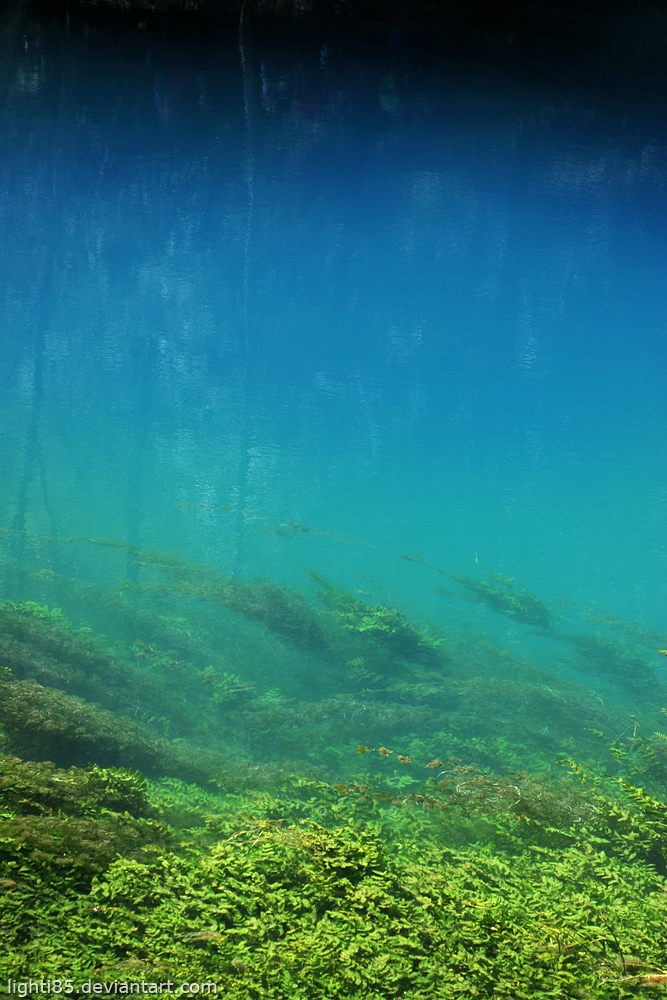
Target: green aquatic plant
{"points": [[385, 626], [39, 643], [170, 679], [271, 886], [43, 789], [43, 724], [283, 610], [72, 823], [445, 862], [181, 661], [621, 661], [523, 606], [641, 757], [516, 811], [632, 631], [162, 676], [226, 688], [278, 907], [356, 644], [286, 612]]}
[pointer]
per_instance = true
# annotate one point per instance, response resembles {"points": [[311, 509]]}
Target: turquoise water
{"points": [[253, 285]]}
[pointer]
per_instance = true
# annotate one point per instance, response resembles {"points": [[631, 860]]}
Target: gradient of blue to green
{"points": [[416, 301]]}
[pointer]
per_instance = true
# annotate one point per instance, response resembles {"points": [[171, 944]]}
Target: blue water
{"points": [[409, 302]]}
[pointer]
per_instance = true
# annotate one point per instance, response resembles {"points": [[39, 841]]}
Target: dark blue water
{"points": [[416, 305]]}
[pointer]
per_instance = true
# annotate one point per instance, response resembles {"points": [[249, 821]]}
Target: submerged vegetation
{"points": [[521, 605], [314, 890], [305, 794]]}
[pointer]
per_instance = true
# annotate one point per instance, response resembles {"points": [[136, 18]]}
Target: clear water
{"points": [[417, 306]]}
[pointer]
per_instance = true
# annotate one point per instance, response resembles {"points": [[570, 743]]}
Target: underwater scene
{"points": [[333, 512]]}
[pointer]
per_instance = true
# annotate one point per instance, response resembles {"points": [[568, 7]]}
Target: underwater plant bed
{"points": [[337, 803], [262, 904]]}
